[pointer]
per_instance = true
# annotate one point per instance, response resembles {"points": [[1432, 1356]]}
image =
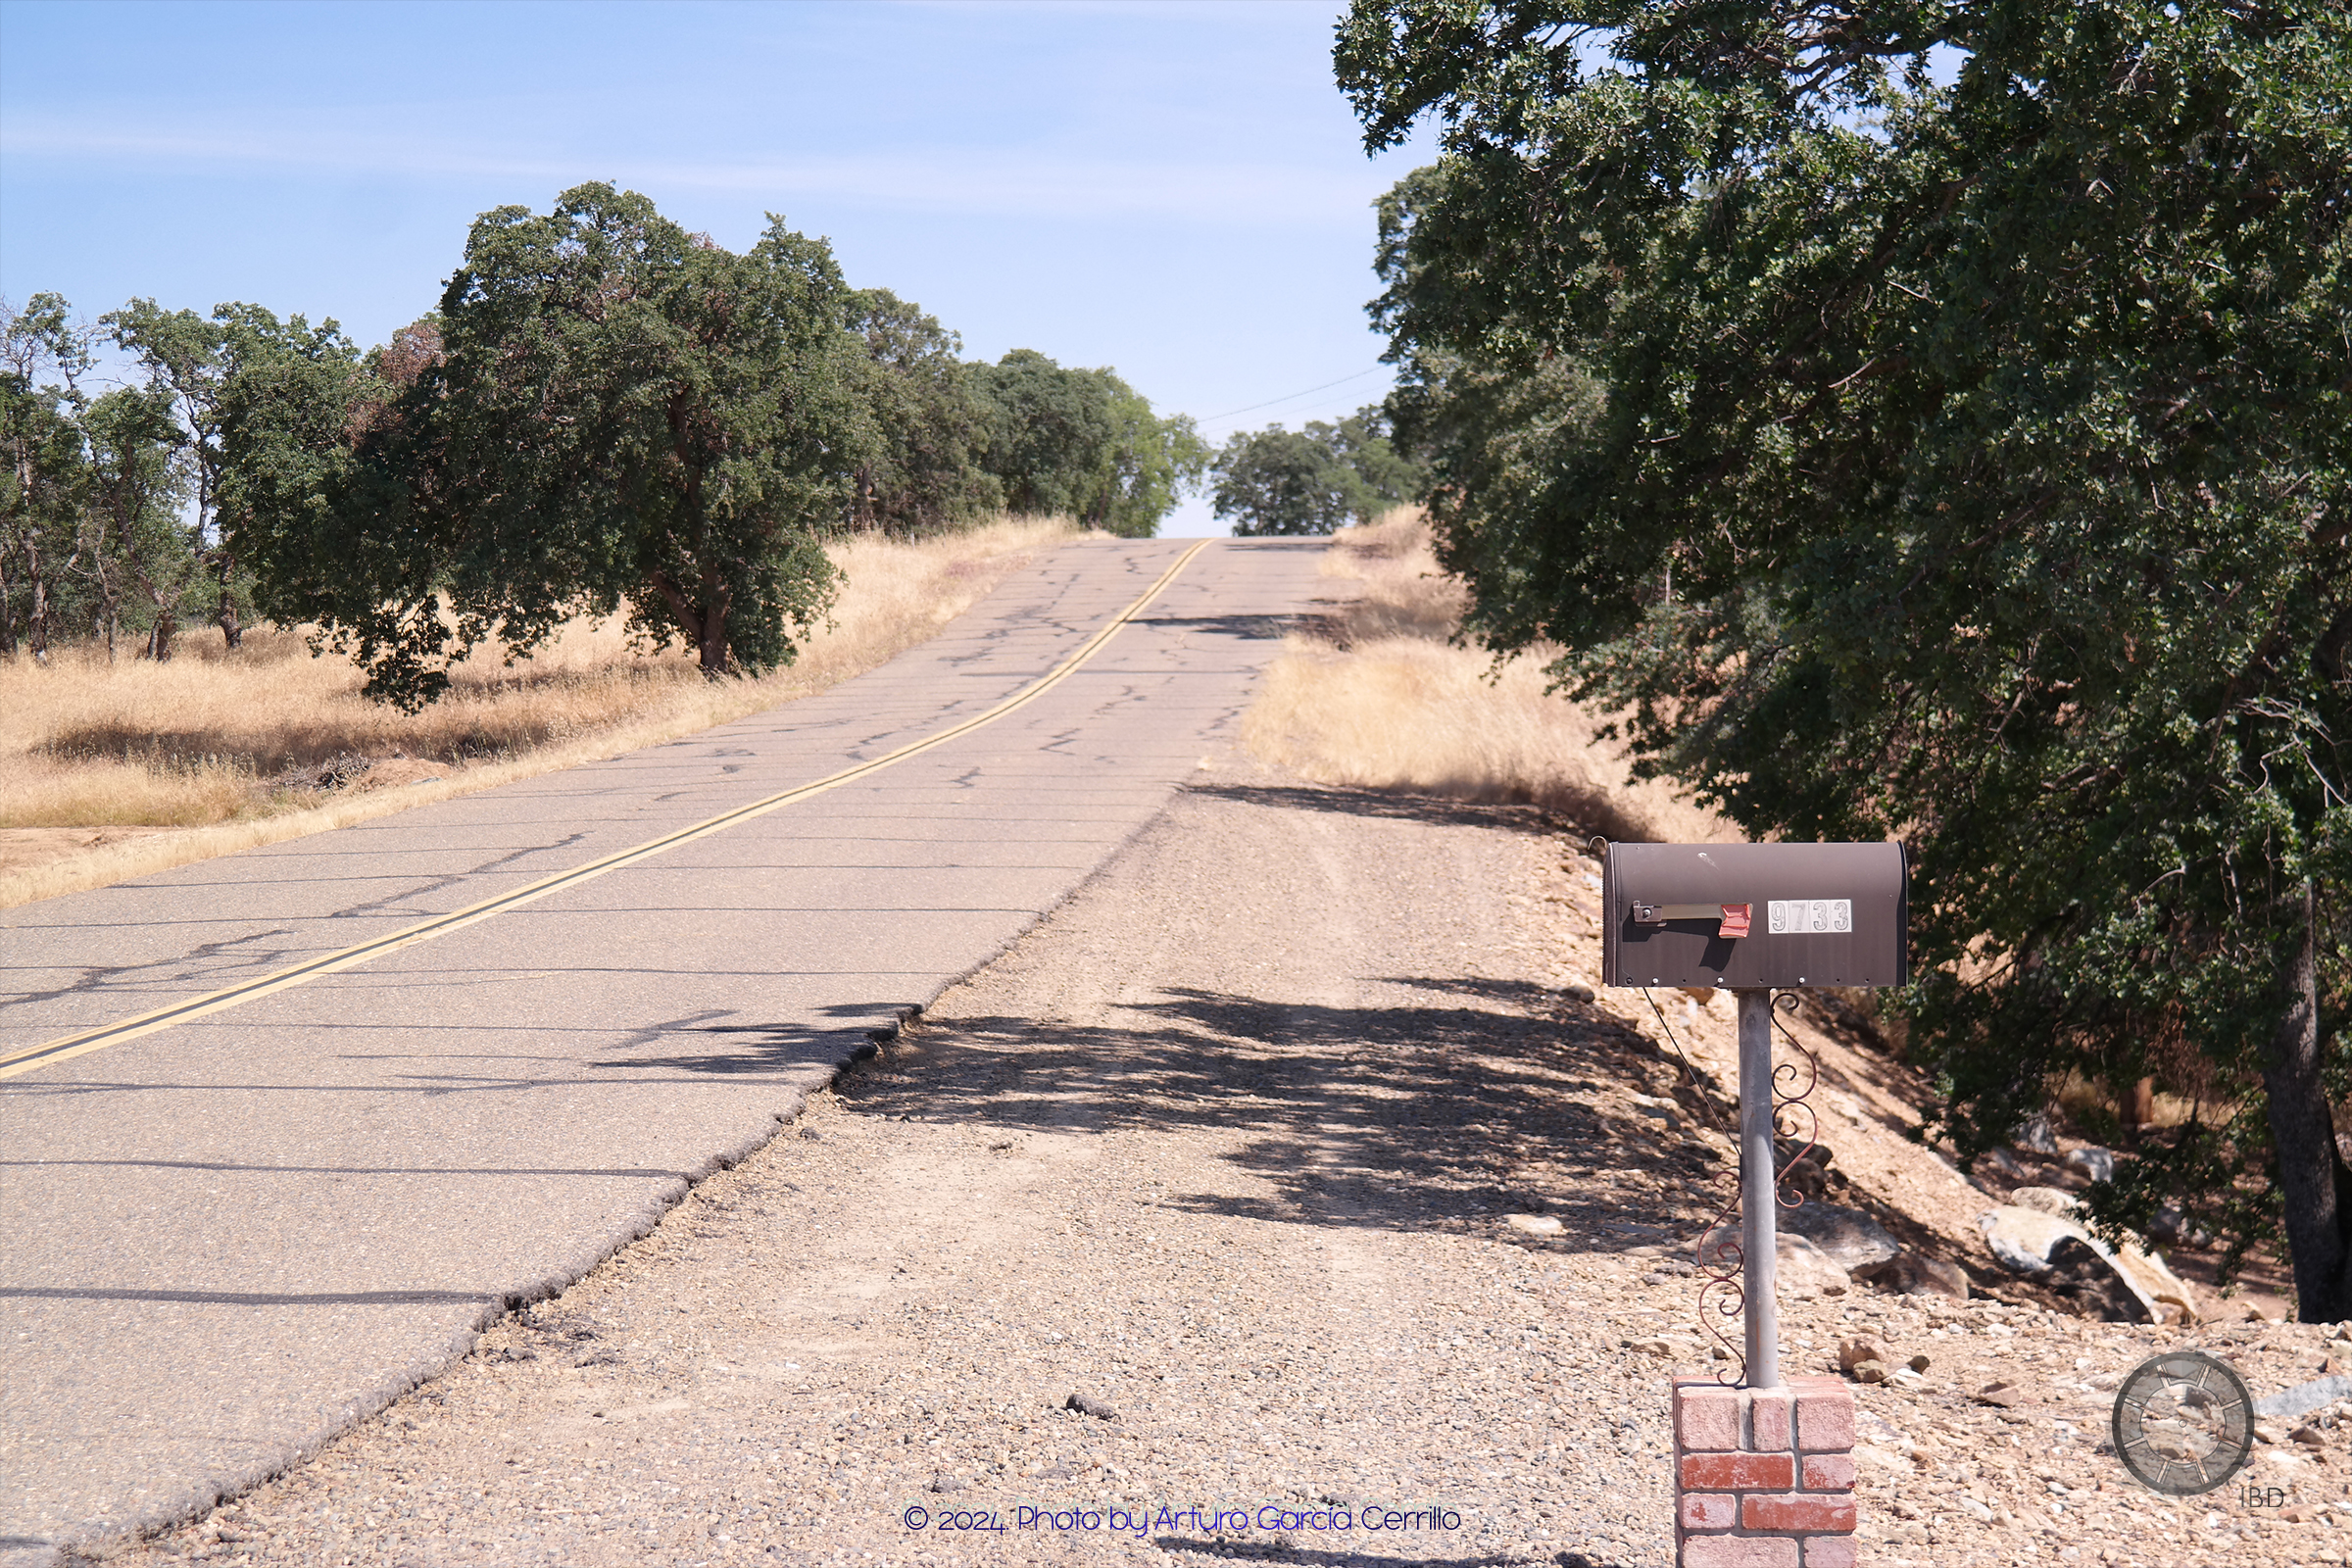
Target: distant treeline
{"points": [[605, 415]]}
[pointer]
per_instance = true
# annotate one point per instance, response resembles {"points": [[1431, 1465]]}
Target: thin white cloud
{"points": [[1025, 183]]}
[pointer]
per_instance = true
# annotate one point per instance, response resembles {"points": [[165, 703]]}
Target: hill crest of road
{"points": [[231, 1238]]}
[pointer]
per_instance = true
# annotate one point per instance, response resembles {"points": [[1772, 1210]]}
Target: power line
{"points": [[1285, 398]]}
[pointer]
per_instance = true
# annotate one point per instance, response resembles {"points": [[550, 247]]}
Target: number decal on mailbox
{"points": [[1795, 916]]}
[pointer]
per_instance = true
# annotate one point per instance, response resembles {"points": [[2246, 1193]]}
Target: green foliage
{"points": [[1084, 444], [1965, 463], [1276, 482], [931, 423], [605, 413], [186, 360], [91, 539], [605, 410]]}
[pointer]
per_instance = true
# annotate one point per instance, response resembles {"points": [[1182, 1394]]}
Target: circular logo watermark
{"points": [[2183, 1423]]}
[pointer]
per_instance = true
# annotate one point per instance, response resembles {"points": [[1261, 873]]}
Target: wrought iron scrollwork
{"points": [[1788, 1104], [1720, 1258]]}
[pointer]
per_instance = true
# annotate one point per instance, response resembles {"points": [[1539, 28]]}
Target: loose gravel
{"points": [[1183, 1230]]}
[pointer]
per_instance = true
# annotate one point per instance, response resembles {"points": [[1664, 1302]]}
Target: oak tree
{"points": [[1931, 419], [606, 414]]}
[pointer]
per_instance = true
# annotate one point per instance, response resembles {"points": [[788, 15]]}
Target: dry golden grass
{"points": [[1378, 698], [133, 747]]}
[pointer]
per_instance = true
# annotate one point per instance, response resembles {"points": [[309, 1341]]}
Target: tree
{"points": [[186, 357], [930, 423], [1315, 481], [133, 538], [40, 427], [1084, 444], [1964, 460], [1366, 443], [605, 410], [1278, 481], [1149, 464]]}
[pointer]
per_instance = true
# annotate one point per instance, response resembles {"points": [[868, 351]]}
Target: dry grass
{"points": [[194, 744], [1378, 698]]}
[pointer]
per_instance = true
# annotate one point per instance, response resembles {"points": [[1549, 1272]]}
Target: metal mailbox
{"points": [[1749, 916]]}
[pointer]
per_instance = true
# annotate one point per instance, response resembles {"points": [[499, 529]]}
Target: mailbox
{"points": [[1745, 915]]}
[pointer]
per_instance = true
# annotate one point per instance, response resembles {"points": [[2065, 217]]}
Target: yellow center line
{"points": [[147, 1023]]}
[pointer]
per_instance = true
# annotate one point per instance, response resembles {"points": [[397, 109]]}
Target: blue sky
{"points": [[1176, 190]]}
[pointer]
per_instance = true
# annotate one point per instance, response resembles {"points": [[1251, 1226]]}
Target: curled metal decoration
{"points": [[1720, 1259], [1787, 1103], [1723, 1292]]}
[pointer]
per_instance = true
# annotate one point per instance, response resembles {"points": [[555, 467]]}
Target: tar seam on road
{"points": [[56, 1051]]}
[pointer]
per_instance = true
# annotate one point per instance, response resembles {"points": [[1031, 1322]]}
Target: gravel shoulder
{"points": [[1195, 1204]]}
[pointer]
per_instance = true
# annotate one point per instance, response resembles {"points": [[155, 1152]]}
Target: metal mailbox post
{"points": [[1755, 918]]}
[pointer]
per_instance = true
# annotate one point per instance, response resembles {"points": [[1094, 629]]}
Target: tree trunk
{"points": [[230, 627], [2312, 1175], [704, 624], [159, 635], [715, 627], [37, 622], [8, 612]]}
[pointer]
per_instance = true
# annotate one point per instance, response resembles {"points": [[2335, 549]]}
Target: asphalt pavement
{"points": [[226, 1239]]}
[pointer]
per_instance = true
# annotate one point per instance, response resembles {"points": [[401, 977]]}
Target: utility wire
{"points": [[1285, 398]]}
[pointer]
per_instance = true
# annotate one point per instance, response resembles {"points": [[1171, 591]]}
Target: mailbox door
{"points": [[1819, 914]]}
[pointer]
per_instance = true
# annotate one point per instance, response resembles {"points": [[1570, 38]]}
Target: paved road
{"points": [[223, 1241]]}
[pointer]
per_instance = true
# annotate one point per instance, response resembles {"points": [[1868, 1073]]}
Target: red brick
{"points": [[1710, 1510], [1829, 1471], [1798, 1512], [1768, 1417], [1706, 1417], [1738, 1472], [1824, 1416], [1830, 1551], [1739, 1551]]}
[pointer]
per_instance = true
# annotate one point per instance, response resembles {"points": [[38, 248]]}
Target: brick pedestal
{"points": [[1764, 1479]]}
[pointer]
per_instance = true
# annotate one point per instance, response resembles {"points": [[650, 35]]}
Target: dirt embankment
{"points": [[1198, 1202]]}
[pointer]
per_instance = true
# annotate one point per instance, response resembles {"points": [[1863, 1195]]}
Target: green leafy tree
{"points": [[92, 539], [1278, 481], [186, 357], [1275, 481], [930, 423], [1149, 464], [1314, 481], [605, 410], [1385, 475], [1084, 444], [138, 555], [1953, 454], [43, 356], [1048, 432]]}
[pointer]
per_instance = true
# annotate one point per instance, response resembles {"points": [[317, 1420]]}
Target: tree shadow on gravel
{"points": [[1443, 1114], [1394, 805]]}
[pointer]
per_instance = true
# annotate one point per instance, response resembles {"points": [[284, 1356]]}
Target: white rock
{"points": [[2049, 1201], [1802, 1271], [2092, 1161], [2022, 1239], [1534, 1224]]}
